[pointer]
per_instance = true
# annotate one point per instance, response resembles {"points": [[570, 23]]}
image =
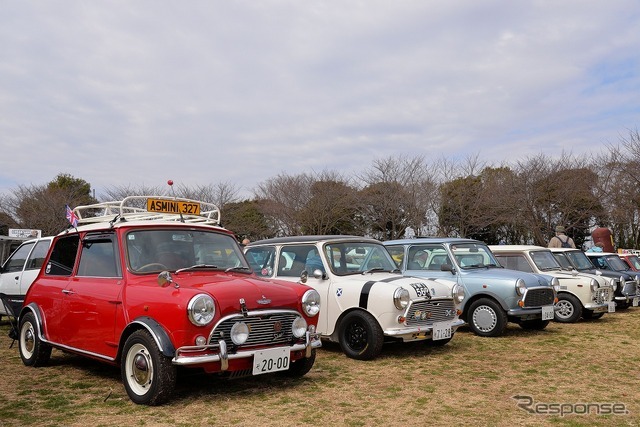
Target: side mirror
{"points": [[165, 279], [447, 267], [318, 274]]}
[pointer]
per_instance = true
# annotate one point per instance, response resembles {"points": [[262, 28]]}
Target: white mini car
{"points": [[365, 299], [581, 295]]}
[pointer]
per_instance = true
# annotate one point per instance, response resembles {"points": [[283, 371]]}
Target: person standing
{"points": [[561, 240]]}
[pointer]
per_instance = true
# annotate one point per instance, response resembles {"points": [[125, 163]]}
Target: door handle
{"points": [[68, 292]]}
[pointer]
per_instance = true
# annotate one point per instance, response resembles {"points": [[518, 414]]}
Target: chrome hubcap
{"points": [[484, 318]]}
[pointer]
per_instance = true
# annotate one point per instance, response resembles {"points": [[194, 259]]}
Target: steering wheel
{"points": [[149, 267]]}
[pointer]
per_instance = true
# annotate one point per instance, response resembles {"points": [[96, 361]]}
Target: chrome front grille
{"points": [[265, 329], [630, 288], [426, 313], [603, 295], [538, 297]]}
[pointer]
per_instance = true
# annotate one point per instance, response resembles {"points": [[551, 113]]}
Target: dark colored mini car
{"points": [[607, 261], [150, 284]]}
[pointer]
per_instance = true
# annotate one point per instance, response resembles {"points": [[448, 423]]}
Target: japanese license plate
{"points": [[173, 206], [547, 312], [636, 300], [272, 360], [441, 331], [612, 307]]}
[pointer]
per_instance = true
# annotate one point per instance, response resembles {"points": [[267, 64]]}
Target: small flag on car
{"points": [[72, 217]]}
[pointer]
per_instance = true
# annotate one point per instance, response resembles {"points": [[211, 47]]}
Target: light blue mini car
{"points": [[494, 295]]}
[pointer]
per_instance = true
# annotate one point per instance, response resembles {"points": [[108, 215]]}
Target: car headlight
{"points": [[637, 280], [555, 283], [614, 285], [521, 287], [299, 327], [594, 285], [457, 293], [201, 309], [239, 333], [401, 298], [311, 302]]}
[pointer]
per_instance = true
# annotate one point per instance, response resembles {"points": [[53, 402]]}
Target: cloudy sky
{"points": [[138, 92]]}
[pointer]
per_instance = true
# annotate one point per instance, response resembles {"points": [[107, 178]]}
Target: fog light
{"points": [[200, 340], [239, 333], [299, 327]]}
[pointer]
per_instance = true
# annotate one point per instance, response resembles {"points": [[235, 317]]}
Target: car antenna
{"points": [[170, 183]]}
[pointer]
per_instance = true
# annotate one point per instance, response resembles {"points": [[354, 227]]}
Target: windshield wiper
{"points": [[238, 268], [196, 266], [371, 270]]}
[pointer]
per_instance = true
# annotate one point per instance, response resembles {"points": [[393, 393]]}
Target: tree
{"points": [[331, 209], [246, 220], [43, 206]]}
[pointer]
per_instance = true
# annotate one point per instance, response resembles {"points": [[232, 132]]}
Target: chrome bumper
{"points": [[312, 340]]}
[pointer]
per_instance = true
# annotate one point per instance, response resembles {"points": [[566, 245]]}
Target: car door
{"points": [[92, 297], [13, 269]]}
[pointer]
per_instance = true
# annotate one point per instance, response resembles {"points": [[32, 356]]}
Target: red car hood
{"points": [[258, 294]]}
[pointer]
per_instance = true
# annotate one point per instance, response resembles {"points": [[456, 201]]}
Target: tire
{"points": [[570, 309], [590, 315], [148, 376], [622, 305], [360, 336], [33, 351], [534, 325], [300, 367], [486, 318]]}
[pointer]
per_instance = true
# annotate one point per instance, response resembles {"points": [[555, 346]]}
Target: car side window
{"points": [[63, 256], [397, 253], [98, 258], [39, 253], [17, 260], [294, 259]]}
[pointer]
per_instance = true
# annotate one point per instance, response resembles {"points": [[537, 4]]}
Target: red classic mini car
{"points": [[151, 283]]}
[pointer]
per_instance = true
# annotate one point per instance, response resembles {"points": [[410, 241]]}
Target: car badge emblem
{"points": [[277, 326], [243, 308], [264, 300]]}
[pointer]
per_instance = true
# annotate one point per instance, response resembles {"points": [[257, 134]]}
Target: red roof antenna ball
{"points": [[170, 182]]}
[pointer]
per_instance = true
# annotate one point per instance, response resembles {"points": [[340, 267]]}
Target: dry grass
{"points": [[470, 381]]}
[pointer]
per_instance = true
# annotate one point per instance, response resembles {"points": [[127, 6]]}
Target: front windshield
{"points": [[473, 255], [563, 260], [635, 261], [579, 260], [616, 263], [357, 257], [544, 260], [154, 250]]}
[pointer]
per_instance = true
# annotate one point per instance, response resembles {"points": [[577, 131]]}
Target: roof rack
{"points": [[150, 208]]}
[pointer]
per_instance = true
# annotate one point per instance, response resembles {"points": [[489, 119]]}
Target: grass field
{"points": [[470, 381]]}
